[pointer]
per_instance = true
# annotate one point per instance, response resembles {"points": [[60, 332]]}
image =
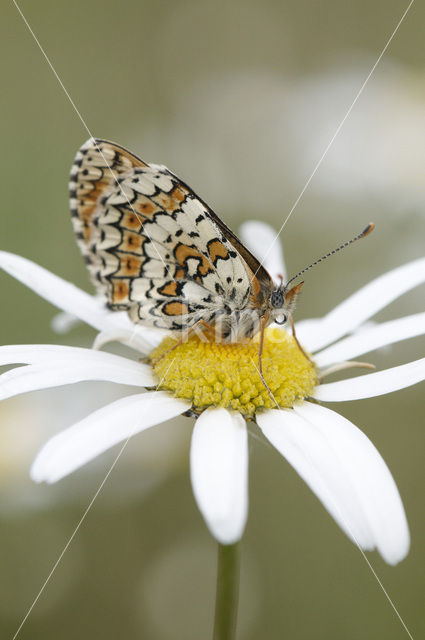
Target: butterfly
{"points": [[158, 251], [155, 249]]}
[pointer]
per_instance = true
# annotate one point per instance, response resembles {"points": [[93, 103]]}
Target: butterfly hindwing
{"points": [[95, 171], [151, 245]]}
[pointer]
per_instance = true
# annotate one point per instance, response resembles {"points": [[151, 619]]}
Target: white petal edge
{"points": [[364, 304], [373, 338], [71, 299], [45, 353], [106, 337], [219, 472], [372, 384], [305, 448], [85, 440], [263, 242], [57, 371], [370, 477]]}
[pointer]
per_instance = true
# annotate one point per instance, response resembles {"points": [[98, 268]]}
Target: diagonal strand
{"points": [[365, 558], [341, 124], [270, 392], [386, 594], [83, 517]]}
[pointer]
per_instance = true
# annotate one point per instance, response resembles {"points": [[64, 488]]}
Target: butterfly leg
{"points": [[347, 364], [263, 324], [294, 335]]}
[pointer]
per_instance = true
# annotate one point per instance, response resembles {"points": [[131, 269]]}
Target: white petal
{"points": [[93, 435], [366, 302], [372, 338], [263, 242], [363, 466], [309, 453], [54, 370], [307, 332], [69, 298], [44, 353], [63, 322], [219, 472], [372, 384], [121, 335], [60, 292]]}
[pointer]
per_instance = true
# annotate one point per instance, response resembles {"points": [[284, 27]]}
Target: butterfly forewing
{"points": [[151, 245]]}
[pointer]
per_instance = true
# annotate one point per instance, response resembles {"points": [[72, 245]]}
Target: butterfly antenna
{"points": [[370, 227]]}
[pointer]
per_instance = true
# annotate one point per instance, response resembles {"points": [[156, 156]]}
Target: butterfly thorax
{"points": [[271, 304]]}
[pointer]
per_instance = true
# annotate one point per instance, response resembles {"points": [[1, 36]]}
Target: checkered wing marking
{"points": [[151, 245]]}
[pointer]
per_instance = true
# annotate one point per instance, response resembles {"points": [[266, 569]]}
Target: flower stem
{"points": [[226, 604]]}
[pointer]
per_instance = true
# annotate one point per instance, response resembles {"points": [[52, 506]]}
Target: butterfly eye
{"points": [[277, 298], [281, 319]]}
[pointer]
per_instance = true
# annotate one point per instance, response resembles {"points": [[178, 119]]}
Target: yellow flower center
{"points": [[227, 375]]}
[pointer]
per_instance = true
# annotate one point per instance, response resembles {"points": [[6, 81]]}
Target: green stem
{"points": [[226, 604]]}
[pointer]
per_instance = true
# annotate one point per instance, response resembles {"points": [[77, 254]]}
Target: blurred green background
{"points": [[240, 99]]}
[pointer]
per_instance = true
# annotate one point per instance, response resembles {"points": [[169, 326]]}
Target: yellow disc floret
{"points": [[227, 375]]}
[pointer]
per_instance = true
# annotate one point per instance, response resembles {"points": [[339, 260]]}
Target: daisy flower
{"points": [[219, 386]]}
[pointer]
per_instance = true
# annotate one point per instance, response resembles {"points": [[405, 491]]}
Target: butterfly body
{"points": [[156, 250]]}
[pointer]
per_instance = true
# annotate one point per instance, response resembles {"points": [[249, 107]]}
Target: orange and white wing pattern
{"points": [[152, 246]]}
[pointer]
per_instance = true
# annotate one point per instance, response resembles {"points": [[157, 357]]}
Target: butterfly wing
{"points": [[151, 245]]}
